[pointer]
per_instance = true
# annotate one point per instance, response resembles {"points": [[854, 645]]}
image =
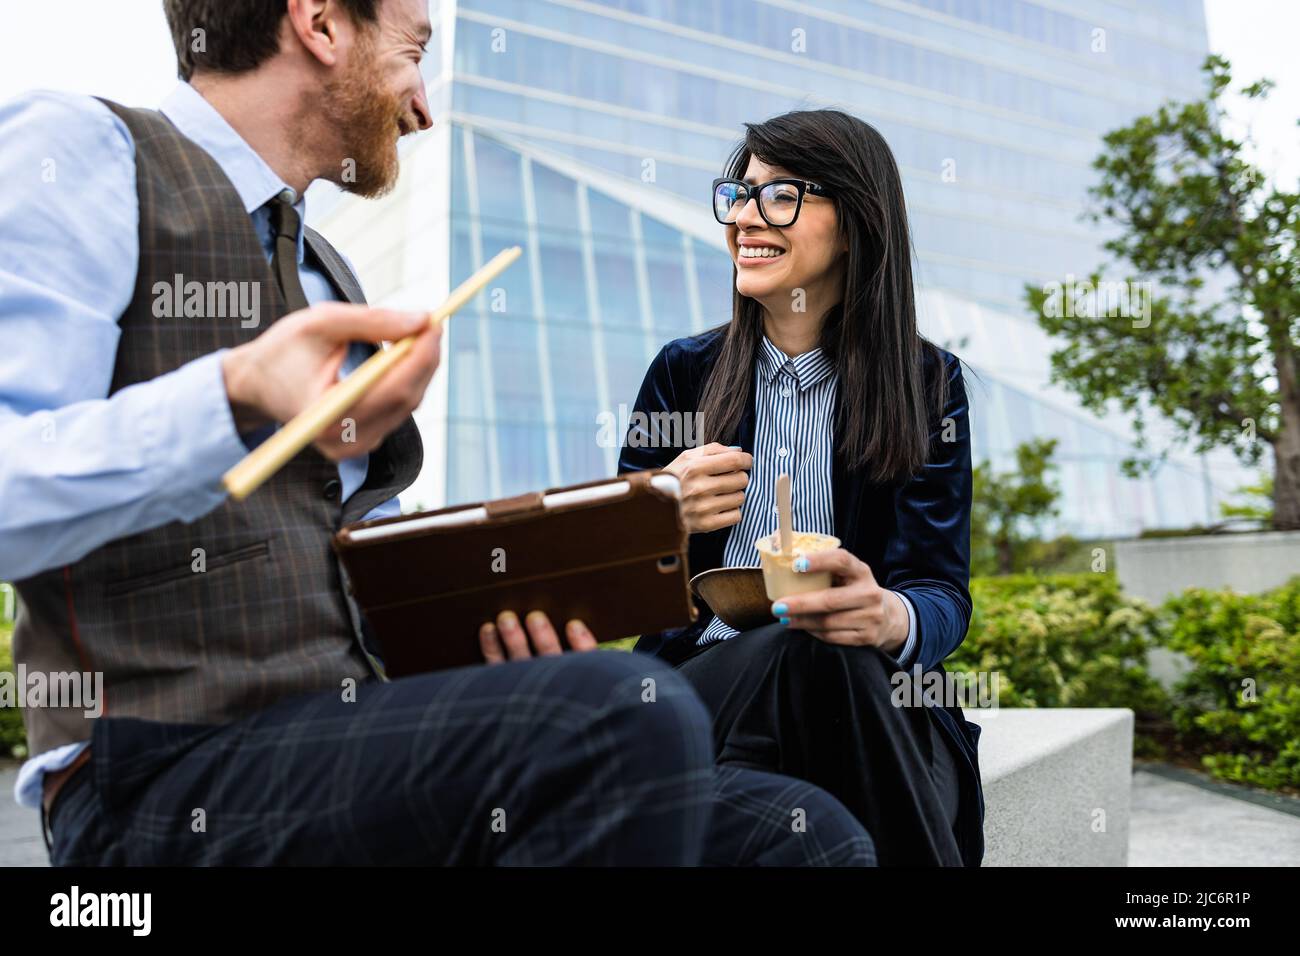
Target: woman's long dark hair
{"points": [[883, 424]]}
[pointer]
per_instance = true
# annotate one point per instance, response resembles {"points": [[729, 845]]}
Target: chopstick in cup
{"points": [[300, 431], [784, 519]]}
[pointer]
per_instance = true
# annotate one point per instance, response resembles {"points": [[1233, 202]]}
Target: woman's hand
{"points": [[854, 610], [714, 478], [507, 639]]}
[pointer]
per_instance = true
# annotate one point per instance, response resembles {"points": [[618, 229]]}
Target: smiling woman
{"points": [[821, 375]]}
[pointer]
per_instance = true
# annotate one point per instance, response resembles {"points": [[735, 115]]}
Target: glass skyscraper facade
{"points": [[588, 133]]}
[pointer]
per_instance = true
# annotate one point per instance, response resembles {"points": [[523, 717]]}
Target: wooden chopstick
{"points": [[784, 516], [300, 431]]}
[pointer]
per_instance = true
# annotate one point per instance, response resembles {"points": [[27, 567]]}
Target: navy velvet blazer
{"points": [[914, 535]]}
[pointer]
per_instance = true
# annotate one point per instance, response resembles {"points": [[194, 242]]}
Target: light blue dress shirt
{"points": [[80, 468], [794, 406]]}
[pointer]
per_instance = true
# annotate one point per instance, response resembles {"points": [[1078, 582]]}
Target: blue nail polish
{"points": [[801, 564], [785, 620], [779, 609]]}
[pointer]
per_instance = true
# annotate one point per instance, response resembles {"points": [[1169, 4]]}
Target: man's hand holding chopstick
{"points": [[283, 370]]}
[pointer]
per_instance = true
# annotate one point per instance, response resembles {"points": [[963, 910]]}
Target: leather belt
{"points": [[54, 781]]}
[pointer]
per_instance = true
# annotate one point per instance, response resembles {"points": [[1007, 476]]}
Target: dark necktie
{"points": [[284, 262]]}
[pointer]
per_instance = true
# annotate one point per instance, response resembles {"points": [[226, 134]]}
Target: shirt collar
{"points": [[254, 180], [807, 369]]}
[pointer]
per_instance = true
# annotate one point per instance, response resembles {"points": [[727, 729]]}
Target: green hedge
{"points": [[13, 739], [1076, 641], [1066, 640], [1239, 707]]}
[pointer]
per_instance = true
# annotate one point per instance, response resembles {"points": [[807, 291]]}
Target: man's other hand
{"points": [[507, 639]]}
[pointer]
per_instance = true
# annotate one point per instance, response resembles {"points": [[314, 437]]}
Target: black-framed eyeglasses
{"points": [[779, 201]]}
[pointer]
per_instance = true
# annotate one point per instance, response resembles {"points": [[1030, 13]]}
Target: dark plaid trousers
{"points": [[785, 702], [596, 758]]}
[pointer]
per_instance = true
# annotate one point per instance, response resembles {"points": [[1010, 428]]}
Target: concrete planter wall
{"points": [[1155, 568]]}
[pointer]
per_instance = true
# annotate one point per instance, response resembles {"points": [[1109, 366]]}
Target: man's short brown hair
{"points": [[234, 36]]}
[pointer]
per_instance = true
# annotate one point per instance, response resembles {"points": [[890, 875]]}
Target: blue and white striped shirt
{"points": [[794, 407]]}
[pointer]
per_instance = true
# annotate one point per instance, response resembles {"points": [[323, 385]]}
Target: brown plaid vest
{"points": [[267, 617]]}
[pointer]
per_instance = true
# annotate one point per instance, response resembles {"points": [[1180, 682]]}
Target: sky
{"points": [[119, 49], [1235, 29]]}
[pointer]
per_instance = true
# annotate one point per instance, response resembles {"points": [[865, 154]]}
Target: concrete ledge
{"points": [[1057, 785], [1155, 568]]}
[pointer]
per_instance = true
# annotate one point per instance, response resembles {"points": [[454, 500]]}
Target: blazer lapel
{"points": [[846, 491], [748, 421]]}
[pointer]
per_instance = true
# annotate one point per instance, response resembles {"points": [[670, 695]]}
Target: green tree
{"points": [[1219, 359], [1257, 507], [1007, 508]]}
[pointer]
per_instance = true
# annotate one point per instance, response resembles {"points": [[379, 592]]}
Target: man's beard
{"points": [[366, 116]]}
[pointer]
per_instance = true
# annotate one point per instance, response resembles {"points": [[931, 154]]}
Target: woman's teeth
{"points": [[760, 252]]}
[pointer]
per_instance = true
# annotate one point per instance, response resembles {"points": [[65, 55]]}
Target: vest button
{"points": [[332, 490]]}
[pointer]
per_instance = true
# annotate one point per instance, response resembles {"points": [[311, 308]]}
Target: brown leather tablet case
{"points": [[617, 564]]}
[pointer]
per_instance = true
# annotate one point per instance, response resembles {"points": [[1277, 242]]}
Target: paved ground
{"points": [[1179, 819], [20, 828], [1207, 823]]}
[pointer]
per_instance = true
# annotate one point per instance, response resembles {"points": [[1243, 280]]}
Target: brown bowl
{"points": [[736, 595]]}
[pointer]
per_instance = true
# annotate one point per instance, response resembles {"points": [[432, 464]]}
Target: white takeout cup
{"points": [[779, 577]]}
